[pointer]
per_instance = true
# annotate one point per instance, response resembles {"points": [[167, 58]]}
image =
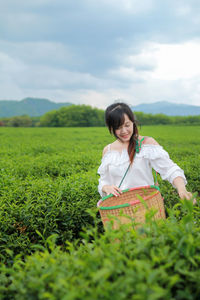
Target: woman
{"points": [[134, 155]]}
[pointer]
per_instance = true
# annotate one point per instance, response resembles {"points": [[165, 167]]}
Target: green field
{"points": [[48, 181]]}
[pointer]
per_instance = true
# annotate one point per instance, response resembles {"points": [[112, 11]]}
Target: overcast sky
{"points": [[96, 51]]}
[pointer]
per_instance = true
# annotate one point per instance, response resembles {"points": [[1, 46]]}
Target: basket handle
{"points": [[124, 176], [155, 178], [137, 150]]}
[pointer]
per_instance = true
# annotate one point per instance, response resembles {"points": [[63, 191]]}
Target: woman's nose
{"points": [[123, 129]]}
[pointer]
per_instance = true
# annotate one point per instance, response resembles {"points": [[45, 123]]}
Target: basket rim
{"points": [[127, 204]]}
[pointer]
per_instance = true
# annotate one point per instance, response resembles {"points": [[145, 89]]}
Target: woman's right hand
{"points": [[111, 189]]}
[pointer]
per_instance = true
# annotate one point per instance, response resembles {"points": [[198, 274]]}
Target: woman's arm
{"points": [[170, 171]]}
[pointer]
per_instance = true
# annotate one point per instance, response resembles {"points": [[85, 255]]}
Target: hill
{"points": [[168, 108], [28, 106]]}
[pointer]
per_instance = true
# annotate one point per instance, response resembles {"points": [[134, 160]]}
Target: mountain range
{"points": [[168, 108], [38, 106], [28, 106]]}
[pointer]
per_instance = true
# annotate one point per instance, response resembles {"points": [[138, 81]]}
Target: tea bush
{"points": [[160, 260], [47, 206]]}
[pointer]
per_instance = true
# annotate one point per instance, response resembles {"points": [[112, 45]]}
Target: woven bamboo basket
{"points": [[131, 204]]}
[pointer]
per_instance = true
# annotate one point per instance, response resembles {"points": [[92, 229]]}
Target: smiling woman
{"points": [[125, 131], [121, 122], [132, 157]]}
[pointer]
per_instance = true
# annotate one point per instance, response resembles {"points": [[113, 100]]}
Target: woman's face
{"points": [[125, 131]]}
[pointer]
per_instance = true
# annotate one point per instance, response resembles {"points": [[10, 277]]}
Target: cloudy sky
{"points": [[96, 51]]}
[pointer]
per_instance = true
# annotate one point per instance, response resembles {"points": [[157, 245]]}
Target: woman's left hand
{"points": [[184, 194], [181, 189]]}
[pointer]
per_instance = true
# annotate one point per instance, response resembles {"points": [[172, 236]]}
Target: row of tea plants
{"points": [[160, 260], [48, 181]]}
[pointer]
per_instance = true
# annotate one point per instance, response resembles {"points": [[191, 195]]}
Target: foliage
{"points": [[74, 116], [159, 260], [17, 121], [45, 186], [161, 119]]}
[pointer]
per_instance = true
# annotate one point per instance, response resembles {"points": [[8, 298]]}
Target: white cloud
{"points": [[98, 51], [163, 61], [177, 61], [154, 74], [183, 10], [9, 65], [128, 6]]}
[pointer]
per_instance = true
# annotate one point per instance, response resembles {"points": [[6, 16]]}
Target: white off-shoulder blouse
{"points": [[114, 165]]}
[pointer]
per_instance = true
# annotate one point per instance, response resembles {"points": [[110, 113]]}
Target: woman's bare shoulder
{"points": [[112, 146], [105, 149], [148, 140]]}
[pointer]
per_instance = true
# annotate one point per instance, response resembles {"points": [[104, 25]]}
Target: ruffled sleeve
{"points": [[104, 175], [118, 162], [160, 161]]}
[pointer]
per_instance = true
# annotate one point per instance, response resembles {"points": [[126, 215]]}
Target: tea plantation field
{"points": [[52, 242]]}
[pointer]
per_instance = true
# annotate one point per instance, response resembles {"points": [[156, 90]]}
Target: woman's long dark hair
{"points": [[114, 118]]}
